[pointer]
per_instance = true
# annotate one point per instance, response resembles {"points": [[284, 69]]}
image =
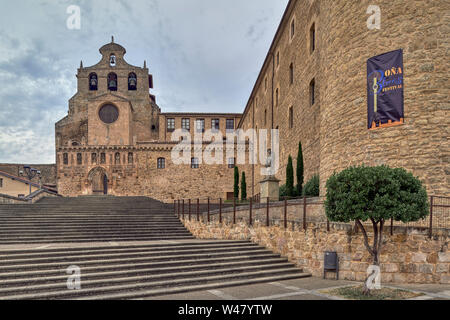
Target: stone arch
{"points": [[98, 180]]}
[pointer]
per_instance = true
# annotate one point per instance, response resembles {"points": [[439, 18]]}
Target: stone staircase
{"points": [[126, 248]]}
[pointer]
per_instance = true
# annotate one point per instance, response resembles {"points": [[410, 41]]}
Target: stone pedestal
{"points": [[270, 188]]}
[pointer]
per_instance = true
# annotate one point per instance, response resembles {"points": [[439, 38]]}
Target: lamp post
{"points": [[31, 173]]}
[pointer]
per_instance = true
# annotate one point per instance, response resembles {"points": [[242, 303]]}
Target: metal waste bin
{"points": [[331, 263]]}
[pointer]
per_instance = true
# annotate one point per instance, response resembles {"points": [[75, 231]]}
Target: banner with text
{"points": [[385, 97]]}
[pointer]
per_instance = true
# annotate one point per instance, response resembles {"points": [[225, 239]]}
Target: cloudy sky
{"points": [[204, 55]]}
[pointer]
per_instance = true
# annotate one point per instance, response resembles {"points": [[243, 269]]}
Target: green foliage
{"points": [[290, 178], [236, 182], [283, 192], [380, 193], [300, 169], [312, 188], [243, 187]]}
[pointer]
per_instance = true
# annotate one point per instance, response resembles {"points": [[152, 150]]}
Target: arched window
{"points": [[112, 60], [117, 158], [132, 81], [112, 82], [161, 163], [65, 158], [130, 158], [93, 82], [102, 158], [79, 159]]}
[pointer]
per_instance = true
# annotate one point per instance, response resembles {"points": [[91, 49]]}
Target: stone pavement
{"points": [[299, 289]]}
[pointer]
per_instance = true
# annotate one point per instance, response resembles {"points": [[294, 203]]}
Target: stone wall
{"points": [[405, 258]]}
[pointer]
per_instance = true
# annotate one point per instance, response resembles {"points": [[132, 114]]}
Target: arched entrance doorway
{"points": [[98, 180]]}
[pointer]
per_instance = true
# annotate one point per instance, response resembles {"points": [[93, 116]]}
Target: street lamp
{"points": [[31, 173]]}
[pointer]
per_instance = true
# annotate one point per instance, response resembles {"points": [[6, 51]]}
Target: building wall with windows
{"points": [[316, 65], [15, 186]]}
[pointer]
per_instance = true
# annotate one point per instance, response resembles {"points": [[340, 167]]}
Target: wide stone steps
{"points": [[126, 248], [135, 271]]}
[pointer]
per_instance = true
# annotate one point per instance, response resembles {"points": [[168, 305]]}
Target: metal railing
{"points": [[305, 211]]}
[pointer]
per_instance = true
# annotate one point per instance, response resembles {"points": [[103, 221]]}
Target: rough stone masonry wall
{"points": [[405, 258]]}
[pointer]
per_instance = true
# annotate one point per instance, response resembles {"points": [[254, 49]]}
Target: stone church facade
{"points": [[115, 139]]}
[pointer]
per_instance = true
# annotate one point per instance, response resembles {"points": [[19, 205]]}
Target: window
{"points": [[230, 124], [117, 158], [112, 60], [130, 158], [132, 82], [195, 163], [312, 93], [161, 163], [312, 38], [291, 117], [278, 58], [108, 113], [79, 159], [186, 124], [292, 28], [200, 125], [93, 82], [265, 83], [65, 158], [94, 158], [170, 125], [112, 82], [215, 124], [291, 73], [1, 183], [231, 163], [265, 117], [102, 158], [276, 97]]}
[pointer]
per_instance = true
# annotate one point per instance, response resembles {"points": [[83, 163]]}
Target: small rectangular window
{"points": [[230, 124], [161, 163], [215, 124], [94, 158], [291, 73], [278, 58], [291, 117], [312, 92], [195, 164], [292, 28], [170, 125], [231, 163], [186, 124], [102, 158], [312, 36], [1, 183], [65, 158], [200, 125], [79, 159]]}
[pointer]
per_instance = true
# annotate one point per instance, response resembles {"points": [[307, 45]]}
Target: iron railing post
{"points": [[209, 219], [250, 222], [234, 210], [267, 218], [285, 213], [304, 213], [182, 210], [220, 210], [175, 207], [189, 210], [431, 216], [198, 209]]}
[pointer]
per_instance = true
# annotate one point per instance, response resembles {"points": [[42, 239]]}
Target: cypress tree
{"points": [[290, 178], [236, 182], [243, 188], [300, 169]]}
